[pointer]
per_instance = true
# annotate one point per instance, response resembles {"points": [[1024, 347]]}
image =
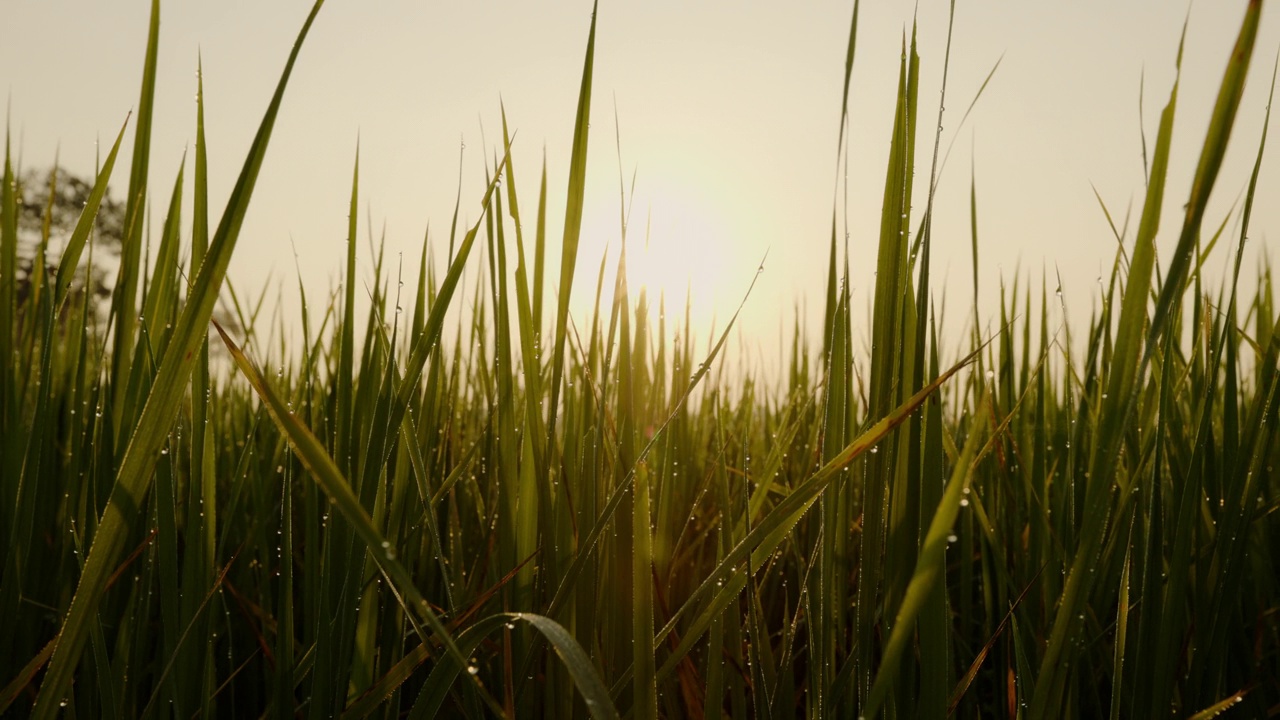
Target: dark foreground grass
{"points": [[527, 514]]}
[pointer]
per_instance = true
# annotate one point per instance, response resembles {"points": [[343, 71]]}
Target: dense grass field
{"points": [[518, 513]]}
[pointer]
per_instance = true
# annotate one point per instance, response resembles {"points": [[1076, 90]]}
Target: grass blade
{"points": [[167, 392]]}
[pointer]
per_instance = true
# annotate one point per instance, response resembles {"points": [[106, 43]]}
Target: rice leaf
{"points": [[164, 399]]}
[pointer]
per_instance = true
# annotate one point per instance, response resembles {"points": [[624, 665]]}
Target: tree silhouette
{"points": [[49, 207], [50, 203]]}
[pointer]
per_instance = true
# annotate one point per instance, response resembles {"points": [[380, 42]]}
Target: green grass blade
{"points": [[888, 355], [1126, 375], [572, 222], [346, 358], [9, 402], [325, 472], [1211, 156], [575, 659], [167, 392], [725, 581], [75, 244], [928, 569], [1121, 381], [123, 307], [200, 558]]}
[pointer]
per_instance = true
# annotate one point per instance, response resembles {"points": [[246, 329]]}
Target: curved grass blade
{"points": [[581, 670]]}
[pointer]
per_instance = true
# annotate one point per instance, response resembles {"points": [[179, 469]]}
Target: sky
{"points": [[726, 114]]}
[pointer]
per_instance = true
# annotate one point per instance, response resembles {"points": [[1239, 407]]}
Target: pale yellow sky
{"points": [[729, 117]]}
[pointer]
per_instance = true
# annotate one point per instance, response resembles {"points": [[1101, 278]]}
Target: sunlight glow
{"points": [[679, 248]]}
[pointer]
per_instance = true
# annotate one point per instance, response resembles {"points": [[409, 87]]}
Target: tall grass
{"points": [[523, 513]]}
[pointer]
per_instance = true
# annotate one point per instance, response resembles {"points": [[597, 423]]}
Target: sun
{"points": [[679, 250]]}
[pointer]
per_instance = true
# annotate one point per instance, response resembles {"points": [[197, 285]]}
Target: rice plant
{"points": [[519, 512]]}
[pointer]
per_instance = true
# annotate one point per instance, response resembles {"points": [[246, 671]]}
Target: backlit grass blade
{"points": [[11, 374], [533, 468], [167, 392], [9, 401], [76, 242], [514, 536], [123, 305], [572, 222], [966, 681], [1211, 156], [850, 49], [160, 307], [888, 354], [540, 252], [200, 557], [186, 635], [346, 357]]}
